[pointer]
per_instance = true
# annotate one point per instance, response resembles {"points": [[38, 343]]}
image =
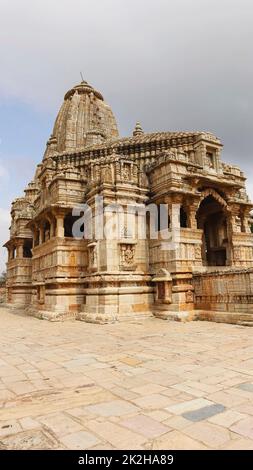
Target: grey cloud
{"points": [[170, 64]]}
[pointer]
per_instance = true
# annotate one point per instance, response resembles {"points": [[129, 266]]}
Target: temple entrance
{"points": [[212, 219]]}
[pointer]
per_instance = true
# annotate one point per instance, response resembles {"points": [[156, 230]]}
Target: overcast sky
{"points": [[171, 64]]}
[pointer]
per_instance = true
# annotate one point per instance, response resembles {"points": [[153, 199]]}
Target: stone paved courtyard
{"points": [[142, 385]]}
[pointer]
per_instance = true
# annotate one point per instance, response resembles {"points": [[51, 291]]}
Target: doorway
{"points": [[212, 219]]}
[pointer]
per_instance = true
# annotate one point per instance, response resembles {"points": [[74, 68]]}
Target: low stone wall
{"points": [[228, 290]]}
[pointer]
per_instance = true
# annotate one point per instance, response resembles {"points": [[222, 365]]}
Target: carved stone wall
{"points": [[228, 291]]}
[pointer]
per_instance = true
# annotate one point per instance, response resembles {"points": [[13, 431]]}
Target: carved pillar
{"points": [[233, 227], [234, 219], [245, 222], [41, 234], [10, 253], [13, 252], [191, 210], [60, 225], [51, 221], [36, 237], [174, 210], [52, 227], [20, 249], [175, 215], [35, 233]]}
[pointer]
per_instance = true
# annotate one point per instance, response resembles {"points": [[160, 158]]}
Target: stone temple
{"points": [[207, 273]]}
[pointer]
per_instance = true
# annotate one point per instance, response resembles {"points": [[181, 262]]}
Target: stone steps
{"points": [[160, 311], [235, 318]]}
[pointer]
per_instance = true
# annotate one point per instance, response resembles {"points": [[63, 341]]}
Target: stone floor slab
{"points": [[116, 435], [209, 434], [79, 440], [248, 387], [189, 405], [59, 423], [203, 413], [144, 425], [112, 408], [175, 440], [65, 385], [227, 418], [244, 427]]}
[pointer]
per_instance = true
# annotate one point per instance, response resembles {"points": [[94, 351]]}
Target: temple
{"points": [[206, 273]]}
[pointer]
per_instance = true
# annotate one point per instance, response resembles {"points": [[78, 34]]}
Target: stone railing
{"points": [[229, 290], [19, 271], [67, 257]]}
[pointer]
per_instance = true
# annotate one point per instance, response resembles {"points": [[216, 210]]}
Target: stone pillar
{"points": [[20, 249], [245, 222], [234, 219], [175, 203], [174, 211], [34, 235], [13, 252], [60, 225], [41, 234], [191, 215], [52, 227], [233, 227]]}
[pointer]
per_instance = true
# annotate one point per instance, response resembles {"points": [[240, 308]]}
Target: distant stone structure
{"points": [[2, 290], [207, 273]]}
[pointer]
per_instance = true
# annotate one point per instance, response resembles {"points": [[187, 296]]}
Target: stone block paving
{"points": [[147, 384]]}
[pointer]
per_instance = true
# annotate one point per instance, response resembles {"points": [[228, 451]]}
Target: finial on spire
{"points": [[82, 76], [138, 129]]}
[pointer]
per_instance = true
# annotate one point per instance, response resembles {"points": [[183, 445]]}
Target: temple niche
{"points": [[194, 262]]}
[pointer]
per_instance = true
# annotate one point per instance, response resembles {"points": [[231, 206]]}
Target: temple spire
{"points": [[138, 130]]}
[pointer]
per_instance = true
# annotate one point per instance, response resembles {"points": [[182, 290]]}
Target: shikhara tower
{"points": [[53, 275]]}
